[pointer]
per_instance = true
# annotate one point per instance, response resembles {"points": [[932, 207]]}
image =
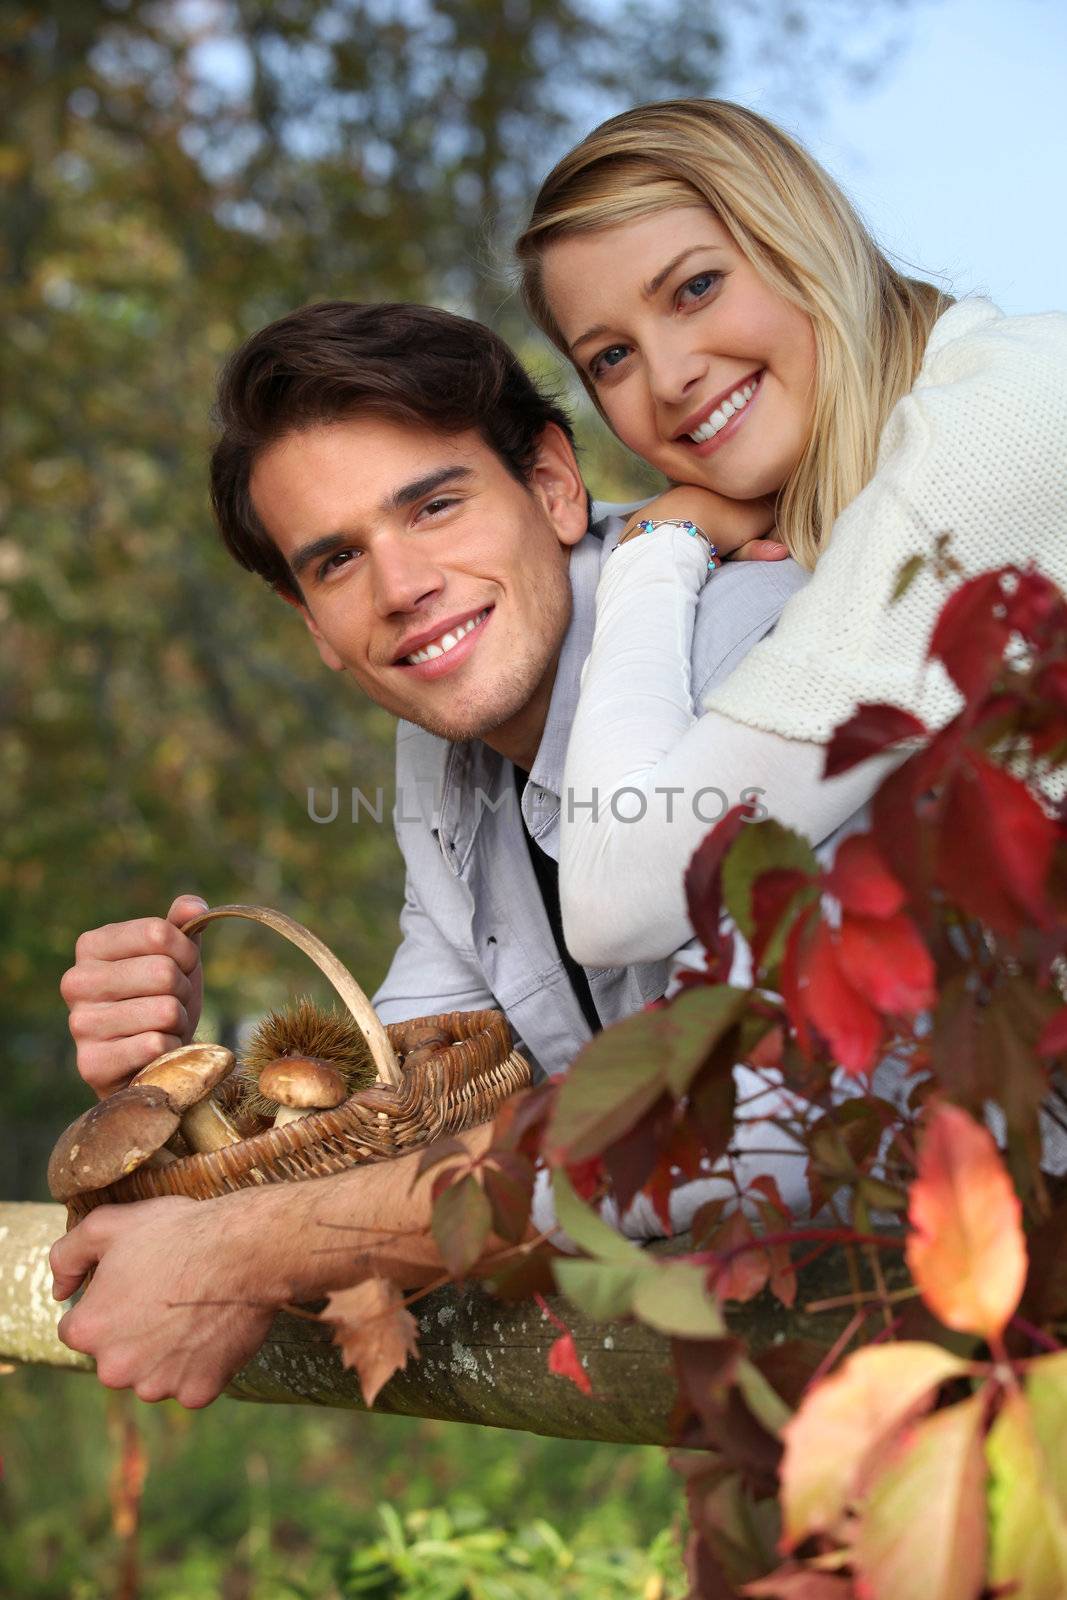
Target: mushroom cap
{"points": [[109, 1140], [303, 1082], [187, 1075]]}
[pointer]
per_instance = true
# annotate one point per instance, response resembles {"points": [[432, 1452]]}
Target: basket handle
{"points": [[348, 989]]}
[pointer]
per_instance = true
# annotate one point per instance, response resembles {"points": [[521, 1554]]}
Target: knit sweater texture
{"points": [[977, 450]]}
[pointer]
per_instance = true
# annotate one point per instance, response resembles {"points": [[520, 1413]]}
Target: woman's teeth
{"points": [[445, 643], [722, 414]]}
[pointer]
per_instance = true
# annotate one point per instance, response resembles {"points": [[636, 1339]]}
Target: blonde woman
{"points": [[739, 329]]}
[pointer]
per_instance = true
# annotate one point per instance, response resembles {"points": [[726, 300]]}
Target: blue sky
{"points": [[957, 157]]}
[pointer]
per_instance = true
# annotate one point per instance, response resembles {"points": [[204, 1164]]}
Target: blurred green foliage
{"points": [[259, 1503], [173, 176]]}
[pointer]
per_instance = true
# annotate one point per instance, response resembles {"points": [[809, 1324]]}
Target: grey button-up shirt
{"points": [[474, 928]]}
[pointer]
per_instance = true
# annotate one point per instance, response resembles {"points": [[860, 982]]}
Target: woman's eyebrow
{"points": [[651, 287]]}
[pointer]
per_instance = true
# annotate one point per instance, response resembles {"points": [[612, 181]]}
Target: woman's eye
{"points": [[699, 286], [607, 359]]}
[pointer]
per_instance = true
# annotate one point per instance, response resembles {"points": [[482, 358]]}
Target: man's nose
{"points": [[402, 576]]}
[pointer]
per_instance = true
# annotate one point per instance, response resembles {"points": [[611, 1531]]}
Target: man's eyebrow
{"points": [[650, 288], [407, 494]]}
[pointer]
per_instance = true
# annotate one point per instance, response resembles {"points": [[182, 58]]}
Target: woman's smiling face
{"points": [[679, 335]]}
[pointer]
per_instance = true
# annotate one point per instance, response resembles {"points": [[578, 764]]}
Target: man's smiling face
{"points": [[428, 573]]}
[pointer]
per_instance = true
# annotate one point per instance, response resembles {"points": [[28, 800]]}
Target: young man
{"points": [[396, 477]]}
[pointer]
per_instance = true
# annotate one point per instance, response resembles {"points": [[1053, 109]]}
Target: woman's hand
{"points": [[737, 528]]}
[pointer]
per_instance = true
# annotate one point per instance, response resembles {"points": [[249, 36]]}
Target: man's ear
{"points": [[326, 651], [557, 482]]}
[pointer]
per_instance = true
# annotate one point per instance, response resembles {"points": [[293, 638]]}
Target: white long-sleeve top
{"points": [[977, 450]]}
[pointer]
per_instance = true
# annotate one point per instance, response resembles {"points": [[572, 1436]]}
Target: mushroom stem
{"points": [[293, 1114], [206, 1126]]}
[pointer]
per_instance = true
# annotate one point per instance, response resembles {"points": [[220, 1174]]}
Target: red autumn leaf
{"points": [[994, 846], [776, 1218], [741, 1276], [967, 1253], [886, 962], [773, 893], [461, 1223], [520, 1123], [703, 876], [1052, 683], [860, 879], [1036, 609], [565, 1362], [375, 1331], [508, 1180], [870, 730], [797, 946], [851, 1027], [1053, 1040], [972, 633], [793, 1582]]}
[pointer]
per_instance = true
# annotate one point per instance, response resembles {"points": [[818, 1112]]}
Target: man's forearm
{"points": [[298, 1241]]}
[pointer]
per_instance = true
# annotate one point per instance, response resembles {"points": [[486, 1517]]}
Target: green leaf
{"points": [[462, 1219], [610, 1086], [589, 1232], [625, 1069], [601, 1289], [847, 1417], [672, 1298], [759, 847], [906, 575], [1046, 1390], [699, 1019], [922, 1530], [1028, 1532]]}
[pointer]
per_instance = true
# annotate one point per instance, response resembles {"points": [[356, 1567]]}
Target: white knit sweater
{"points": [[978, 449]]}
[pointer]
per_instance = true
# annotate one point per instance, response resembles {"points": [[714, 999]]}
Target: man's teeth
{"points": [[442, 645], [722, 414]]}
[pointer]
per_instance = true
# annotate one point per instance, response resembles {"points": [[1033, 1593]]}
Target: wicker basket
{"points": [[457, 1088]]}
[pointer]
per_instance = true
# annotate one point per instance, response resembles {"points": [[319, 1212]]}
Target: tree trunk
{"points": [[482, 1360]]}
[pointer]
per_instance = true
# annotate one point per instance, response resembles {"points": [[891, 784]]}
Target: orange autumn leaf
{"points": [[375, 1331], [967, 1253]]}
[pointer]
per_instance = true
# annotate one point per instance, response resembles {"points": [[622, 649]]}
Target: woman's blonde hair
{"points": [[798, 230]]}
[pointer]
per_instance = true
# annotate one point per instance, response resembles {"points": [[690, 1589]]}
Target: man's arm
{"points": [[183, 1292]]}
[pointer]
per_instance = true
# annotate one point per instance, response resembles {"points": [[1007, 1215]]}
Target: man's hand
{"points": [[134, 992], [170, 1311], [737, 528]]}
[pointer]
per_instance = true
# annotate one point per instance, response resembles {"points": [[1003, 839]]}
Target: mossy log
{"points": [[482, 1360]]}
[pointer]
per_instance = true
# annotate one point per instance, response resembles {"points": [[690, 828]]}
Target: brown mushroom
{"points": [[111, 1139], [300, 1085], [187, 1076]]}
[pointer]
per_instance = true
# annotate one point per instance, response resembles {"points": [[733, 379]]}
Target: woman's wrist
{"points": [[685, 538]]}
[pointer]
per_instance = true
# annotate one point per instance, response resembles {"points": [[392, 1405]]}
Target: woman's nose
{"points": [[675, 370]]}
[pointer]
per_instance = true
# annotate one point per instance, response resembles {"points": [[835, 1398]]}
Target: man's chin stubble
{"points": [[471, 722]]}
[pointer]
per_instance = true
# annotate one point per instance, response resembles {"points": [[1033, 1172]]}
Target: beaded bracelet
{"points": [[649, 525]]}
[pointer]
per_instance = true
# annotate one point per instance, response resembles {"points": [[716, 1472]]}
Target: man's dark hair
{"points": [[407, 363]]}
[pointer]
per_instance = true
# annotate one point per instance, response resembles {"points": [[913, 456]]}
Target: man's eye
{"points": [[434, 507], [607, 359], [340, 558], [699, 286]]}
